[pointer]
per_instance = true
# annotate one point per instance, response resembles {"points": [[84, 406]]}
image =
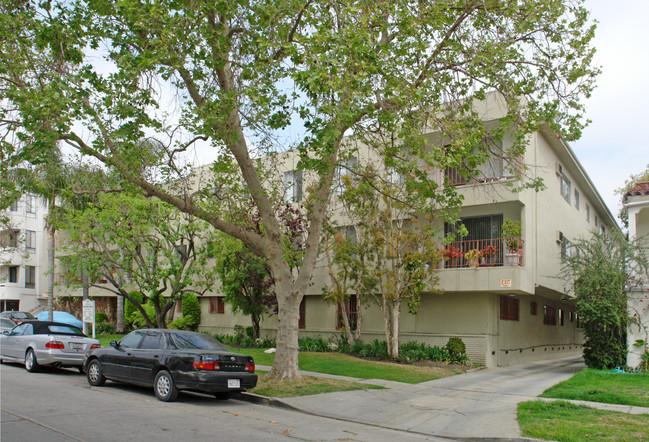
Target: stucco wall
{"points": [[638, 304]]}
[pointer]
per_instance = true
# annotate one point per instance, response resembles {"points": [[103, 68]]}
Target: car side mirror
{"points": [[114, 344]]}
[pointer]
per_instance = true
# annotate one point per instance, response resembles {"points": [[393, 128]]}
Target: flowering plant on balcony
{"points": [[452, 252], [490, 250], [473, 254]]}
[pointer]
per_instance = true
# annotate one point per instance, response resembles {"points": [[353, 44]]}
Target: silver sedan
{"points": [[37, 343]]}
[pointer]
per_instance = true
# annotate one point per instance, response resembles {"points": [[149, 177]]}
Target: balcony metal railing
{"points": [[493, 252]]}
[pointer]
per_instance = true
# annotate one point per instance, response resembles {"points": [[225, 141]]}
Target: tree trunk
{"points": [[50, 266], [391, 312], [345, 315], [357, 332], [255, 326], [285, 365], [119, 326]]}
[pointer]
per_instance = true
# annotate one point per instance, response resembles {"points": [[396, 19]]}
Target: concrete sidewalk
{"points": [[475, 405]]}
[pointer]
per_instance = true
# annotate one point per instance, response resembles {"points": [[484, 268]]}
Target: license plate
{"points": [[76, 346], [234, 383]]}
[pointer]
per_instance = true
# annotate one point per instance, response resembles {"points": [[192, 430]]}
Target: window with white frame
{"points": [[14, 206], [565, 186], [576, 199], [30, 239], [30, 203], [345, 172], [293, 186]]}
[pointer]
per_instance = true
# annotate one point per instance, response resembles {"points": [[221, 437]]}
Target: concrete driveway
{"points": [[479, 404]]}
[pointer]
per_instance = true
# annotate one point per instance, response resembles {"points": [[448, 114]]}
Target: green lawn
{"points": [[305, 386], [603, 386], [563, 421], [345, 365]]}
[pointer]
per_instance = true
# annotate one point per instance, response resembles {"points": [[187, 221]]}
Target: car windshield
{"points": [[7, 323], [23, 315], [65, 330], [196, 341]]}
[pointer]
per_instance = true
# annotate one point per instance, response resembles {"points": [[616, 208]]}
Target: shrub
{"points": [[456, 348], [130, 309], [313, 344], [100, 317], [105, 328], [191, 311]]}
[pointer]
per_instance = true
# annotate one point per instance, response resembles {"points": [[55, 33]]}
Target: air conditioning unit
{"points": [[559, 169], [559, 236]]}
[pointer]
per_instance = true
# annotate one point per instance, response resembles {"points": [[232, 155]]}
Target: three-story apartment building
{"points": [[510, 307]]}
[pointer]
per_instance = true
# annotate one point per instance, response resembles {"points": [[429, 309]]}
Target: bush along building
{"points": [[497, 283]]}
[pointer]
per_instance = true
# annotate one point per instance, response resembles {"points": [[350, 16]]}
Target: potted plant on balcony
{"points": [[489, 252], [473, 257], [451, 255], [512, 231]]}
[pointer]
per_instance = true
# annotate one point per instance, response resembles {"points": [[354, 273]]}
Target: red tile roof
{"points": [[640, 189]]}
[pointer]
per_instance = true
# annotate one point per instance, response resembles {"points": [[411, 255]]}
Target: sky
{"points": [[615, 145]]}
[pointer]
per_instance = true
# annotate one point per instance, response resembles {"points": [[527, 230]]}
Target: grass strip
{"points": [[303, 387], [563, 421], [603, 386], [346, 365]]}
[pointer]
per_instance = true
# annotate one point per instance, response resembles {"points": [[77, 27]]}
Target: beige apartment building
{"points": [[507, 309]]}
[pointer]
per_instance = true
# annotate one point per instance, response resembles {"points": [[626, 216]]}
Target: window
{"points": [[571, 315], [14, 236], [549, 315], [345, 173], [565, 247], [30, 239], [132, 339], [293, 186], [302, 320], [30, 203], [587, 213], [30, 277], [509, 308], [152, 341], [217, 305], [490, 170], [602, 230], [577, 199], [13, 274], [561, 317], [533, 308], [14, 206], [565, 187], [351, 306], [483, 231], [596, 221]]}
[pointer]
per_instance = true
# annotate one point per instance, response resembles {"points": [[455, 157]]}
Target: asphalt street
{"points": [[59, 405]]}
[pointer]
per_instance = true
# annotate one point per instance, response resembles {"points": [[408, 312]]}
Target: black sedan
{"points": [[172, 360]]}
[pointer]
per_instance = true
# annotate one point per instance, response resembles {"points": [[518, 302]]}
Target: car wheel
{"points": [[31, 364], [223, 395], [164, 386], [95, 377]]}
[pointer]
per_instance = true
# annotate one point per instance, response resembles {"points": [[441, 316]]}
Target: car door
{"points": [[116, 363], [147, 356], [11, 342]]}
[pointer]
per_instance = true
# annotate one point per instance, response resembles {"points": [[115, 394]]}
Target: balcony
{"points": [[494, 252]]}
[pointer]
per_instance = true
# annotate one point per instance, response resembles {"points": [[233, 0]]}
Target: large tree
{"points": [[135, 244], [95, 74]]}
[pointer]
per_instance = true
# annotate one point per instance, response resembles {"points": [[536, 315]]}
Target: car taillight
{"points": [[94, 346], [250, 367], [55, 344], [206, 365]]}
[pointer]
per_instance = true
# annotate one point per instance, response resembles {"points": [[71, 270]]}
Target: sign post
{"points": [[89, 314]]}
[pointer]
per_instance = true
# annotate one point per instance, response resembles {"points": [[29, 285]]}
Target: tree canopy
{"points": [[100, 76]]}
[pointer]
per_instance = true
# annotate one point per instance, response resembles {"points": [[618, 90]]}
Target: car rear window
{"points": [[22, 315], [65, 330], [196, 341]]}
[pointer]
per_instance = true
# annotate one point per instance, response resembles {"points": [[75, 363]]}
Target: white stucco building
{"points": [[636, 203]]}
